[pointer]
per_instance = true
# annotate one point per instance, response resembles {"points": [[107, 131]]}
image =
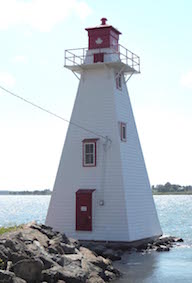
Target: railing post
{"points": [[132, 61]]}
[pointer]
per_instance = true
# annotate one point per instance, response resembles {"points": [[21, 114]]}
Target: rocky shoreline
{"points": [[36, 253]]}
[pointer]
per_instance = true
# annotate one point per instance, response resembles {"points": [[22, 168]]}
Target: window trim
{"points": [[94, 142], [123, 125]]}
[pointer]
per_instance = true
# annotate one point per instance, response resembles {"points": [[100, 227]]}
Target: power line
{"points": [[48, 111]]}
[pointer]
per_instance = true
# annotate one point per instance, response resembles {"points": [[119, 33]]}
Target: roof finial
{"points": [[103, 21]]}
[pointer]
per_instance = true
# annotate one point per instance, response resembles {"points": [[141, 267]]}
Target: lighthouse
{"points": [[102, 190]]}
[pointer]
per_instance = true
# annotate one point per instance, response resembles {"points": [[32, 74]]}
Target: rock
{"points": [[28, 269], [9, 277], [44, 230], [71, 274], [142, 247], [73, 242], [70, 258], [68, 249], [15, 257], [74, 274], [5, 250], [50, 275], [52, 250], [18, 280], [10, 244], [37, 254], [6, 276], [111, 254], [98, 249], [3, 257], [90, 257], [109, 275], [9, 265], [94, 278], [162, 248], [178, 240], [47, 261]]}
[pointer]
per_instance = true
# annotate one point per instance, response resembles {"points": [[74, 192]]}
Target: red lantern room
{"points": [[103, 48], [103, 36]]}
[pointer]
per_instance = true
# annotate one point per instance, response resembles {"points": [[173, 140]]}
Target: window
{"points": [[89, 152], [98, 57], [119, 81], [123, 132]]}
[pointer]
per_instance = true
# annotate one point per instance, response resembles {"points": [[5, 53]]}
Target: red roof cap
{"points": [[103, 21], [103, 25]]}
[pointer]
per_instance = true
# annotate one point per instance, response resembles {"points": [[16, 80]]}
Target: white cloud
{"points": [[186, 80], [20, 59], [7, 79], [42, 15]]}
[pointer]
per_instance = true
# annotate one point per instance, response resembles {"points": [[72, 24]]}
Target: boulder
{"points": [[69, 259], [162, 248], [92, 258], [71, 274], [98, 249], [36, 253], [29, 269], [68, 249], [3, 257], [15, 257], [9, 277], [73, 242], [178, 240], [94, 278], [111, 254], [18, 280]]}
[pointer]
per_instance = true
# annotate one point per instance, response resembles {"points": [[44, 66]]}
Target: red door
{"points": [[84, 210]]}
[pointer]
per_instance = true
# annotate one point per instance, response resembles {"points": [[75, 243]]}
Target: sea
{"points": [[175, 215]]}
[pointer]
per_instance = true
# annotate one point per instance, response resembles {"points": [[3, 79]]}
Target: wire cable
{"points": [[50, 112]]}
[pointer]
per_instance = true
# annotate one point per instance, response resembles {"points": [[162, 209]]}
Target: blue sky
{"points": [[34, 35]]}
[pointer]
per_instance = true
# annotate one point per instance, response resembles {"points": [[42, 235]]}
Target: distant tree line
{"points": [[36, 192], [171, 188]]}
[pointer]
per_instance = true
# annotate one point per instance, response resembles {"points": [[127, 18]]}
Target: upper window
{"points": [[123, 132], [98, 57], [89, 152], [119, 81]]}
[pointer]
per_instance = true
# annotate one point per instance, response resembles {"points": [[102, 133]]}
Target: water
{"points": [[175, 214], [15, 210]]}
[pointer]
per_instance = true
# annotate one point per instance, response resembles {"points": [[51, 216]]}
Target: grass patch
{"points": [[2, 264], [9, 229]]}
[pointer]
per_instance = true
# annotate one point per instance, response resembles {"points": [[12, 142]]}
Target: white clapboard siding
{"points": [[120, 177]]}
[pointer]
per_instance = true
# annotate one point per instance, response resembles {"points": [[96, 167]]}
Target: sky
{"points": [[33, 37]]}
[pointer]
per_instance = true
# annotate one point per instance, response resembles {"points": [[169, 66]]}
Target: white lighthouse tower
{"points": [[102, 191]]}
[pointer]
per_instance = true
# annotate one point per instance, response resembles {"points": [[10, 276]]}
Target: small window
{"points": [[98, 57], [119, 81], [89, 152], [123, 132]]}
